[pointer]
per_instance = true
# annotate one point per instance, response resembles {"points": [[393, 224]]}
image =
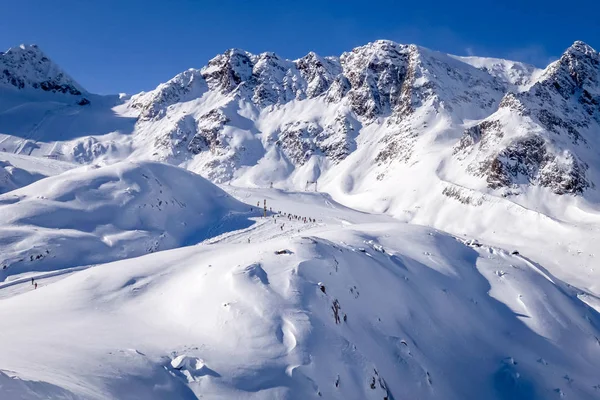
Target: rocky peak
{"points": [[318, 72], [226, 71], [559, 117], [184, 86], [27, 67], [578, 69], [376, 73], [274, 80]]}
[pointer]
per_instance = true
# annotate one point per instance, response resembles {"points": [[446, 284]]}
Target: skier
{"points": [[32, 281], [35, 286]]}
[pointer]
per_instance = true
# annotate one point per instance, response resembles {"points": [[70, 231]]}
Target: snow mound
{"points": [[97, 214], [17, 171], [12, 177]]}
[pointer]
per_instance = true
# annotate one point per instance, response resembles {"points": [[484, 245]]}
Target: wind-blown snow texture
{"points": [[353, 304]]}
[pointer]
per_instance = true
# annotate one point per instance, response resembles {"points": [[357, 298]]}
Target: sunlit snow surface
{"points": [[422, 314], [154, 283]]}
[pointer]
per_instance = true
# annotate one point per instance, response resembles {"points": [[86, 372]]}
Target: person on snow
{"points": [[35, 286], [32, 281]]}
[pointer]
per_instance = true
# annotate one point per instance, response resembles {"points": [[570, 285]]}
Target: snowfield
{"points": [[94, 214], [392, 223], [421, 314], [353, 305]]}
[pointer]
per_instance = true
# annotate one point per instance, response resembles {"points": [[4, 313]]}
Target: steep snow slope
{"points": [[91, 215], [58, 126], [17, 170], [421, 315], [518, 74]]}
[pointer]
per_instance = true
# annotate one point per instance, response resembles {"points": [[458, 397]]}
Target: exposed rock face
{"points": [[529, 158], [302, 139], [226, 72], [207, 136], [539, 136], [318, 72], [153, 105], [26, 67], [379, 83], [376, 73]]}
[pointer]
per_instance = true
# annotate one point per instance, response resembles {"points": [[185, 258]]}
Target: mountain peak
{"points": [[27, 67], [577, 68], [581, 47]]}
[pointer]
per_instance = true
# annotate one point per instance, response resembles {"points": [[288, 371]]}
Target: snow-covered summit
{"points": [[27, 67], [546, 135]]}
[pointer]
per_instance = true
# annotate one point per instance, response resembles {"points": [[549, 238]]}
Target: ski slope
{"points": [[249, 311]]}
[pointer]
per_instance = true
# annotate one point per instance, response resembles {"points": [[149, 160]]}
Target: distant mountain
{"points": [[26, 67], [401, 113], [546, 135]]}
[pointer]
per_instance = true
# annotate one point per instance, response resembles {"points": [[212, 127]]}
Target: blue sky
{"points": [[112, 46]]}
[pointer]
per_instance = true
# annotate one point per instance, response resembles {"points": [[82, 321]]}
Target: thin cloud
{"points": [[532, 54]]}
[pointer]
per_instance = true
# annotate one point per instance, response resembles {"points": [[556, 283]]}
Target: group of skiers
{"points": [[34, 283], [278, 214], [290, 217], [293, 217]]}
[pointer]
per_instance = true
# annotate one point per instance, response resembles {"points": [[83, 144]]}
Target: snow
{"points": [[519, 74], [19, 170], [140, 219], [108, 213], [27, 67], [429, 317]]}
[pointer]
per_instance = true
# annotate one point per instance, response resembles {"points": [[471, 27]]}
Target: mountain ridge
{"points": [[262, 119]]}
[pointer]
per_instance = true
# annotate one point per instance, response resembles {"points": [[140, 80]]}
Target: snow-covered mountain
{"points": [[546, 135], [262, 119], [26, 67], [432, 229], [307, 116]]}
